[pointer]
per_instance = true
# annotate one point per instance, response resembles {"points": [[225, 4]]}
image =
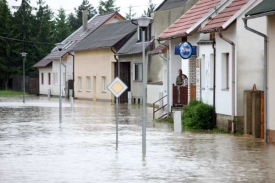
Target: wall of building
{"points": [[55, 83], [136, 86], [43, 88], [271, 75], [96, 64], [250, 56]]}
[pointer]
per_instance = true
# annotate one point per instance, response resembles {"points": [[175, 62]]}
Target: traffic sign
{"points": [[117, 87]]}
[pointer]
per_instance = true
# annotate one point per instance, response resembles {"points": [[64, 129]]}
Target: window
{"points": [[49, 78], [42, 78], [103, 84], [203, 72], [225, 70], [211, 71], [79, 83], [88, 84], [147, 33], [137, 72]]}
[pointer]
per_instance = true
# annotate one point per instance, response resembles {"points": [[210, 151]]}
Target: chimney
{"points": [[84, 19]]}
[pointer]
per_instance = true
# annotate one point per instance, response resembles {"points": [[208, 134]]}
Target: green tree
{"points": [[130, 13], [6, 68], [76, 20], [149, 10], [107, 6], [62, 26]]}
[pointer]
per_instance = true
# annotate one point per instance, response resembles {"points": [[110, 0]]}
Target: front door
{"points": [[125, 76]]}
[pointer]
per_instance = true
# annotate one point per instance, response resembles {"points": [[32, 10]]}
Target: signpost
{"points": [[117, 87]]}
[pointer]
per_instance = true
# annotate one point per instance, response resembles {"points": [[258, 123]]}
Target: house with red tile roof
{"points": [[185, 30], [235, 65]]}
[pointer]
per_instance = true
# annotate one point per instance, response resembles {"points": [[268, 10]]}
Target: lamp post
{"points": [[143, 23], [24, 57], [60, 47]]}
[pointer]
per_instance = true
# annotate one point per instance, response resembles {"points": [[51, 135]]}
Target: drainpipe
{"points": [[265, 74], [168, 77], [214, 83], [112, 49], [233, 76], [73, 71]]}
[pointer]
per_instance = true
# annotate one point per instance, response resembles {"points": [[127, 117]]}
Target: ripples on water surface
{"points": [[34, 147]]}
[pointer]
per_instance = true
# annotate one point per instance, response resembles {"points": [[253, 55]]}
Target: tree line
{"points": [[35, 30]]}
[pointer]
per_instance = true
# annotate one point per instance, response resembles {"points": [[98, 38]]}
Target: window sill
{"points": [[137, 80], [89, 91], [103, 91], [79, 90], [211, 88], [225, 89], [202, 88]]}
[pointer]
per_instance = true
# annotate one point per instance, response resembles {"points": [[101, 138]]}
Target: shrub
{"points": [[198, 116]]}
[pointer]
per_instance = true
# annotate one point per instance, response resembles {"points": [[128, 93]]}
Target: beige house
{"points": [[49, 66], [267, 9], [95, 60]]}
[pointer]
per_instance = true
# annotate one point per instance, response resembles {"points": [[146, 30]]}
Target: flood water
{"points": [[35, 147]]}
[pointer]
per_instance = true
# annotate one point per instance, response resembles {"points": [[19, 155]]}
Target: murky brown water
{"points": [[34, 147]]}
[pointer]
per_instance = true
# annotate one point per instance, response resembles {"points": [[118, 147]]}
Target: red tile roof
{"points": [[189, 19], [217, 22]]}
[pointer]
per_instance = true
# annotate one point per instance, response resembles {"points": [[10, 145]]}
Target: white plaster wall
{"points": [[271, 73], [56, 86], [207, 90], [43, 89], [224, 98], [250, 56], [153, 93]]}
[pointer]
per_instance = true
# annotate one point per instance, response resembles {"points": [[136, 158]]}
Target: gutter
{"points": [[265, 74], [73, 71], [168, 76], [233, 77]]}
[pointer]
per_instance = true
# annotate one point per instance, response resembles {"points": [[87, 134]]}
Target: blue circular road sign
{"points": [[185, 50]]}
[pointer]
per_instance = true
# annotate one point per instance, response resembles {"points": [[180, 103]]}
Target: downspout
{"points": [[214, 84], [112, 49], [265, 75], [73, 71], [168, 77], [233, 76]]}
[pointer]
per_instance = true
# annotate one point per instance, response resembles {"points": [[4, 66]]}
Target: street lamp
{"points": [[143, 23], [60, 47], [24, 57]]}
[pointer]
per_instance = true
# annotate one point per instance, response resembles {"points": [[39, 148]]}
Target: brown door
{"points": [[125, 76]]}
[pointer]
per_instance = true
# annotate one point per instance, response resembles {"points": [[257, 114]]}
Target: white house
{"points": [[49, 73], [185, 30], [239, 63]]}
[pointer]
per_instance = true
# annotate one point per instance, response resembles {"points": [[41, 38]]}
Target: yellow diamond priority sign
{"points": [[117, 87]]}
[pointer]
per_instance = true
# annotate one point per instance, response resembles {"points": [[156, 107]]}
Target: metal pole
{"points": [[168, 83], [143, 96], [24, 80], [60, 101], [116, 123]]}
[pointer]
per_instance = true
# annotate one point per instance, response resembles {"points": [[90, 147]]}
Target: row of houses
{"points": [[227, 59]]}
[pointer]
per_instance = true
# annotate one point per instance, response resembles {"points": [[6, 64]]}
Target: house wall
{"points": [[271, 76], [95, 64], [43, 88], [250, 56], [55, 84], [136, 86]]}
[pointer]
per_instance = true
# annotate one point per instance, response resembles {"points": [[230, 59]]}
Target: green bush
{"points": [[198, 116]]}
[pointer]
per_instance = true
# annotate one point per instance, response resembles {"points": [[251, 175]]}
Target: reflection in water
{"points": [[34, 147]]}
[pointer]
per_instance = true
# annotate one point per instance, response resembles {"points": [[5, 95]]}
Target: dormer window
{"points": [[148, 35]]}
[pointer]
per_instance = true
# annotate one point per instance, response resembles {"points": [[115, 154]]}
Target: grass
{"points": [[11, 93]]}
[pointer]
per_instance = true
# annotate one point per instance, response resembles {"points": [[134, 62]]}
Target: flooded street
{"points": [[35, 147]]}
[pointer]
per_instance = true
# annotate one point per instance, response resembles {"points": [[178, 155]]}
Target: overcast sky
{"points": [[68, 5]]}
